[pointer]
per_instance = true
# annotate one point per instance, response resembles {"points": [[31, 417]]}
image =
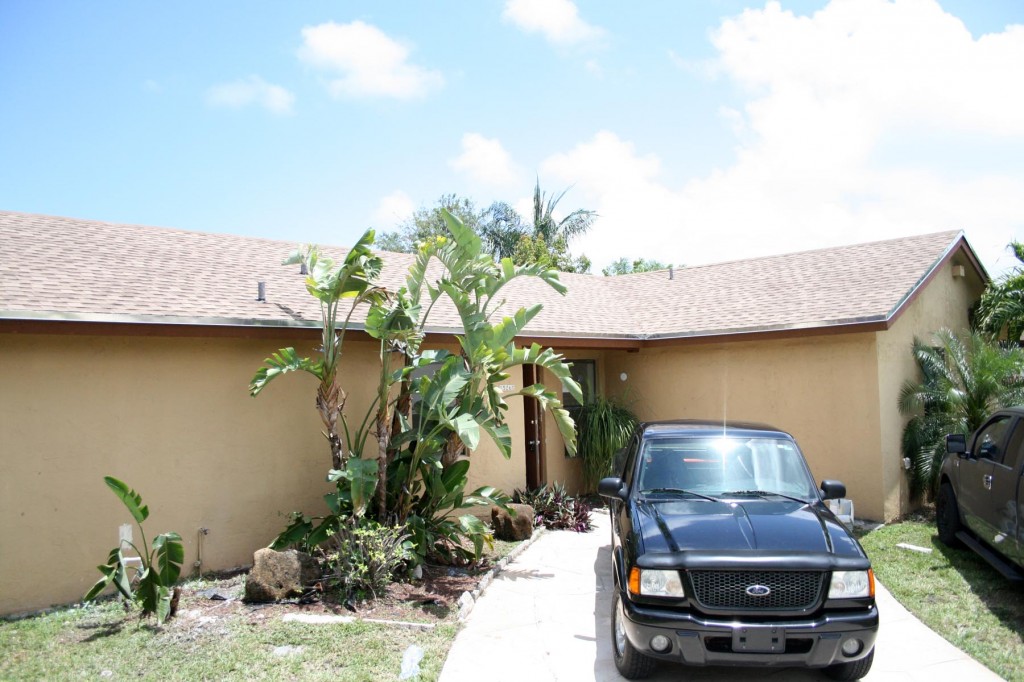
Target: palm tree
{"points": [[501, 228], [1001, 308], [545, 225], [963, 382]]}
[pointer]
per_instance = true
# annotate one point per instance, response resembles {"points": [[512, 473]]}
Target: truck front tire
{"points": [[947, 516], [631, 664]]}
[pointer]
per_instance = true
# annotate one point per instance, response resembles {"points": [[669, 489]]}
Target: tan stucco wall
{"points": [[172, 418], [487, 465], [944, 302], [823, 390], [558, 468]]}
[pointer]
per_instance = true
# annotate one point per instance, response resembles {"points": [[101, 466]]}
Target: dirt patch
{"points": [[206, 605]]}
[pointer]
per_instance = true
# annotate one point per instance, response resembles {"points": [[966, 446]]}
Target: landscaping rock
{"points": [[287, 650], [508, 527], [278, 575]]}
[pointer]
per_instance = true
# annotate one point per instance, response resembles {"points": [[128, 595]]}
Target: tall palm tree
{"points": [[545, 225], [963, 381], [1001, 308]]}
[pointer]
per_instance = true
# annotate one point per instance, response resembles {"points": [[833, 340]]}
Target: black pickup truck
{"points": [[724, 553], [980, 489]]}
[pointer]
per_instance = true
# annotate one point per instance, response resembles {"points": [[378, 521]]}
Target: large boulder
{"points": [[515, 526], [279, 575]]}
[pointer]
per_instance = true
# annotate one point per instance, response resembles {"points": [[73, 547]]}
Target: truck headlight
{"points": [[652, 583], [852, 584]]}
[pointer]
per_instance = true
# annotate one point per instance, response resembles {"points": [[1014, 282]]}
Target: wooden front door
{"points": [[533, 432]]}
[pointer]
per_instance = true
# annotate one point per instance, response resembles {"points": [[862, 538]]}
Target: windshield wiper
{"points": [[762, 493], [680, 491]]}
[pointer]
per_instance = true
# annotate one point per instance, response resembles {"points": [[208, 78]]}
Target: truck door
{"points": [[1002, 516], [975, 474]]}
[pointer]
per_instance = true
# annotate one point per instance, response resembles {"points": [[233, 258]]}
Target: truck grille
{"points": [[789, 590]]}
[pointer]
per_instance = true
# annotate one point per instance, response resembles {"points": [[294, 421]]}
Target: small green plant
{"points": [[556, 509], [604, 425], [363, 557], [152, 585]]}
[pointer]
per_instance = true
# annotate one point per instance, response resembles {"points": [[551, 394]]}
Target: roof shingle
{"points": [[65, 268]]}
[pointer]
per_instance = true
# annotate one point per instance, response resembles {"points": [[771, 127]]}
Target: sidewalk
{"points": [[547, 617]]}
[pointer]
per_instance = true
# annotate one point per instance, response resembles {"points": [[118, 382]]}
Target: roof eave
{"points": [[773, 328], [169, 320], [959, 242]]}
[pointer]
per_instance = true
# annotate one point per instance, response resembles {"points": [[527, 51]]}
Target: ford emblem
{"points": [[758, 591]]}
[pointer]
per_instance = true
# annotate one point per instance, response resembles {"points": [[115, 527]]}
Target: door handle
{"points": [[987, 481]]}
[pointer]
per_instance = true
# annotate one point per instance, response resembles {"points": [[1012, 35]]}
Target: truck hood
{"points": [[767, 527]]}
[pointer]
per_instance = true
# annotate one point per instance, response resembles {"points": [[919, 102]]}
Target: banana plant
{"points": [[353, 281], [161, 565], [458, 402], [474, 282], [422, 424]]}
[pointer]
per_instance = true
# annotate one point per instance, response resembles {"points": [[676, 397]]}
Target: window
{"points": [[989, 442], [715, 466], [585, 374], [1011, 458]]}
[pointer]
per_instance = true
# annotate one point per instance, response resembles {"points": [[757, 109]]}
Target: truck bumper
{"points": [[812, 643]]}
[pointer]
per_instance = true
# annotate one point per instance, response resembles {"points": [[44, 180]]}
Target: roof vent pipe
{"points": [[261, 291], [671, 272], [303, 270]]}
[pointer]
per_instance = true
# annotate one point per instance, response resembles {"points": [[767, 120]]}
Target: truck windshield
{"points": [[720, 465]]}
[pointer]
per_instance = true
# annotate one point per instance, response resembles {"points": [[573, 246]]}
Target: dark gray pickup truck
{"points": [[980, 492], [724, 553]]}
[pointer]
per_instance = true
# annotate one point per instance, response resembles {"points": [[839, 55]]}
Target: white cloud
{"points": [[365, 62], [864, 121], [251, 91], [486, 161], [636, 211], [393, 209], [558, 20]]}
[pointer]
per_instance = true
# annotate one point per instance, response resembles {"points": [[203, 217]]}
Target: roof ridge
{"points": [[822, 249]]}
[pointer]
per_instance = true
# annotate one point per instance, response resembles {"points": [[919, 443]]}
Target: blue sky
{"points": [[700, 131]]}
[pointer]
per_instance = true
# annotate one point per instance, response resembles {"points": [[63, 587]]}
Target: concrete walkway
{"points": [[547, 617]]}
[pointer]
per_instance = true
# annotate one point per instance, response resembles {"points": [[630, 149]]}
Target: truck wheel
{"points": [[854, 670], [947, 516], [632, 664]]}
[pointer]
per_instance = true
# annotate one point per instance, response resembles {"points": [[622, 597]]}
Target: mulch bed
{"points": [[432, 599]]}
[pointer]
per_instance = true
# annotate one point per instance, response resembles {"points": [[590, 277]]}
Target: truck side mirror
{"points": [[956, 444], [613, 488], [832, 490]]}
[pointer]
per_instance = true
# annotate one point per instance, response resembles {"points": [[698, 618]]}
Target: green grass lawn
{"points": [[215, 640], [85, 642], [954, 592]]}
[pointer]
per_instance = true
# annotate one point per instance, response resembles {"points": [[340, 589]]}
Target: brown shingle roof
{"points": [[65, 268]]}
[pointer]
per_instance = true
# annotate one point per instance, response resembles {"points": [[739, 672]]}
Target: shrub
{"points": [[604, 426], [963, 380], [556, 509], [363, 558]]}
